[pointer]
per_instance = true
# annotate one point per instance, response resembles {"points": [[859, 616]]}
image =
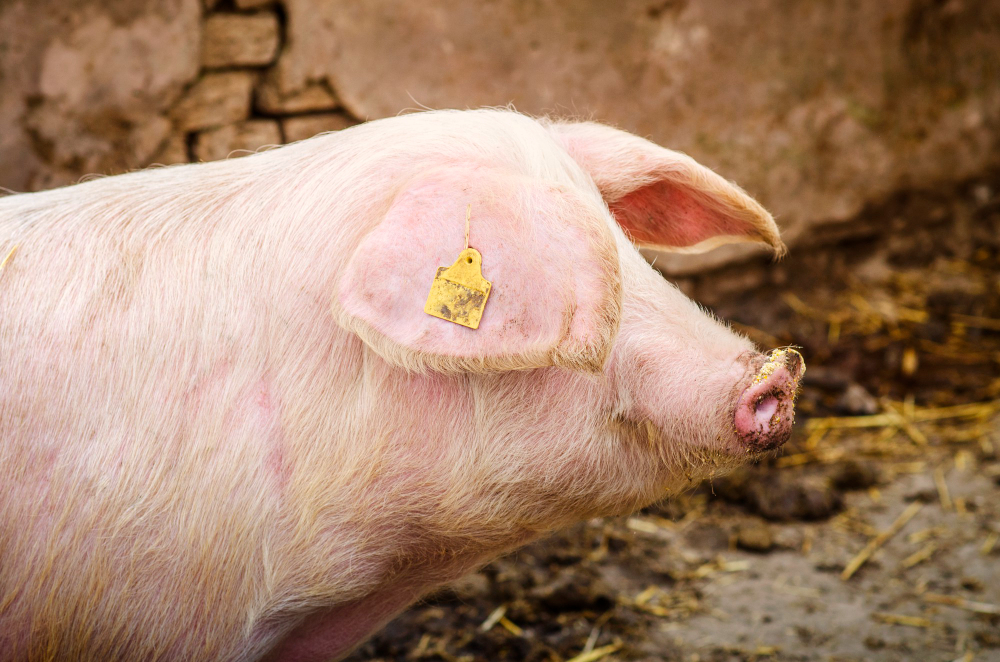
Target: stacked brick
{"points": [[241, 101], [817, 115]]}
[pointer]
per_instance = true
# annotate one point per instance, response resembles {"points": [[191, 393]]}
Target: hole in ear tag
{"points": [[459, 292]]}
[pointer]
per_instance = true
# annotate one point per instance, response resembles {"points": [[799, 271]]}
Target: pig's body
{"points": [[216, 446]]}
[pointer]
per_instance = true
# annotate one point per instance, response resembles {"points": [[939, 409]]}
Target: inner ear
{"points": [[664, 199], [667, 216]]}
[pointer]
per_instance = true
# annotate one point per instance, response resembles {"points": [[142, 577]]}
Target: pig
{"points": [[229, 431]]}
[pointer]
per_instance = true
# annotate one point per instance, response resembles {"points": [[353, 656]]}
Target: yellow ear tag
{"points": [[459, 292]]}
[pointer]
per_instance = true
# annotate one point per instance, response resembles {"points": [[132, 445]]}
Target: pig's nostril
{"points": [[765, 410]]}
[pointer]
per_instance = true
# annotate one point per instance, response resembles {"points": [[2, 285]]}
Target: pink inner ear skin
{"points": [[662, 214], [665, 199]]}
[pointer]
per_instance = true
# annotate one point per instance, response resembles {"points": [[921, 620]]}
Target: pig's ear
{"points": [[664, 199], [551, 259]]}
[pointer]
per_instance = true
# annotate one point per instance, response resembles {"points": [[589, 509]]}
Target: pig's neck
{"points": [[329, 633], [421, 478]]}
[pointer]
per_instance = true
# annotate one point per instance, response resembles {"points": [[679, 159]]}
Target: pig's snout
{"points": [[766, 409]]}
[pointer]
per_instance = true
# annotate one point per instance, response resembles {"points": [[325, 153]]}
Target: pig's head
{"points": [[589, 375]]}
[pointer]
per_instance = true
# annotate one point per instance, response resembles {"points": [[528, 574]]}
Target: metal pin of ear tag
{"points": [[459, 292]]}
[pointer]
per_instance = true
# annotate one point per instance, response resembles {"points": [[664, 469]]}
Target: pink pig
{"points": [[229, 431]]}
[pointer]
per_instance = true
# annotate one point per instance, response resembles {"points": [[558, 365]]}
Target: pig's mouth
{"points": [[765, 410]]}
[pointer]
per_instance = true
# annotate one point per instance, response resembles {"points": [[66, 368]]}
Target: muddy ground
{"points": [[872, 536]]}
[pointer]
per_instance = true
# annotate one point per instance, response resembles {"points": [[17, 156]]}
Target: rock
{"points": [[148, 138], [253, 4], [232, 40], [470, 587], [117, 138], [874, 643], [707, 536], [788, 537], [307, 126], [271, 100], [52, 178], [575, 588], [221, 143], [855, 475], [987, 638], [216, 99], [826, 377], [86, 84], [816, 110], [807, 499], [754, 537], [922, 489], [777, 497], [856, 400], [826, 562], [173, 150]]}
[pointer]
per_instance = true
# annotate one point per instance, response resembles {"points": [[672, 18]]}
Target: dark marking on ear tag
{"points": [[459, 292]]}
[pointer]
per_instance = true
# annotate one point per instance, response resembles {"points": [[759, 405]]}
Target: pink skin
{"points": [[331, 633], [231, 432]]}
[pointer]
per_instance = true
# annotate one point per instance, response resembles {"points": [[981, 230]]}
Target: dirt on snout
{"points": [[875, 535]]}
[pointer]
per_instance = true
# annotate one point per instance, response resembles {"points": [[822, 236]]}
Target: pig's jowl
{"points": [[229, 431]]}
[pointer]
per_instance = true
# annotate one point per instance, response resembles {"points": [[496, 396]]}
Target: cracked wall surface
{"points": [[817, 109]]}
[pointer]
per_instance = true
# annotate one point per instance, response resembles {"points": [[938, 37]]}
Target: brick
{"points": [[253, 4], [272, 100], [220, 143], [216, 99], [307, 126], [235, 40], [173, 150]]}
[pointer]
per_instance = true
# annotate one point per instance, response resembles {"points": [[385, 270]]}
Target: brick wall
{"points": [[817, 109], [240, 101]]}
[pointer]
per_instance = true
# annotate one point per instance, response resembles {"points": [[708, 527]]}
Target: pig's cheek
{"points": [[423, 414], [647, 394]]}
